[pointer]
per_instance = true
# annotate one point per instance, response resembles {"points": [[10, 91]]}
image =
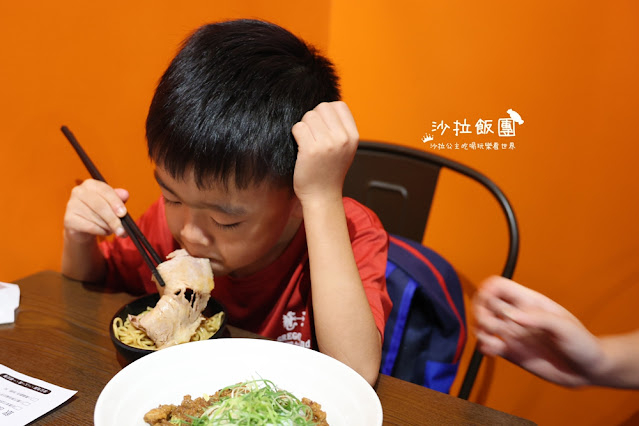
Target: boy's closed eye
{"points": [[221, 225], [226, 226]]}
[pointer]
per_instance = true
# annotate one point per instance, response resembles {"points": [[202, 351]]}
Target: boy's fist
{"points": [[327, 139]]}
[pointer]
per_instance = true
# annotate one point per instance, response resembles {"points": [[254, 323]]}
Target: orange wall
{"points": [[93, 68], [568, 68]]}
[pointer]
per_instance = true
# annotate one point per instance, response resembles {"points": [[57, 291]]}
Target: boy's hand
{"points": [[94, 209], [327, 139]]}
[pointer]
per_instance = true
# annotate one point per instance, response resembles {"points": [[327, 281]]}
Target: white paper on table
{"points": [[9, 301], [23, 399]]}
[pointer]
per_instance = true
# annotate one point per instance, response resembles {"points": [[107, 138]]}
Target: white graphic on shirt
{"points": [[290, 321]]}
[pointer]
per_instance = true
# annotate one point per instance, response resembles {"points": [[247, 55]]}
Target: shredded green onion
{"points": [[255, 402]]}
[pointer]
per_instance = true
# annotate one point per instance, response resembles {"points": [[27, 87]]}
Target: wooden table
{"points": [[61, 336]]}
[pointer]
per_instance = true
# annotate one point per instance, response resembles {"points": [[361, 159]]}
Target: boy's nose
{"points": [[193, 235]]}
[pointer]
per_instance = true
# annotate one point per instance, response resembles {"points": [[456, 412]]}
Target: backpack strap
{"points": [[426, 331], [399, 322]]}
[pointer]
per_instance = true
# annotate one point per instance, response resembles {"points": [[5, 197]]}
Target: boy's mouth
{"points": [[197, 253]]}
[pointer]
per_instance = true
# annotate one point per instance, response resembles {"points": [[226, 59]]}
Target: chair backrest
{"points": [[398, 184]]}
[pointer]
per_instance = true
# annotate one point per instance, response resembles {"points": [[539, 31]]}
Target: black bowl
{"points": [[139, 305]]}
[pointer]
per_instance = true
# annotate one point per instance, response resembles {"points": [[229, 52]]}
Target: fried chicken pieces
{"points": [[178, 313]]}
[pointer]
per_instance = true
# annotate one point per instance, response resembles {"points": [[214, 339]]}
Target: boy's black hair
{"points": [[227, 102]]}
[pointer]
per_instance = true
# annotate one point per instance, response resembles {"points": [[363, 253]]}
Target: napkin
{"points": [[9, 302]]}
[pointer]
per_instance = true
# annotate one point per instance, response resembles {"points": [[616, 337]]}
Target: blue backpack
{"points": [[426, 331]]}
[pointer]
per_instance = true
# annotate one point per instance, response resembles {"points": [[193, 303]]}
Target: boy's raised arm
{"points": [[93, 209], [327, 139]]}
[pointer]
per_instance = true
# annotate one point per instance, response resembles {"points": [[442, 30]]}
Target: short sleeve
{"points": [[369, 240]]}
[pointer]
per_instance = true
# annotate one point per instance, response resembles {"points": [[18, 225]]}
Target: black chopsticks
{"points": [[140, 241]]}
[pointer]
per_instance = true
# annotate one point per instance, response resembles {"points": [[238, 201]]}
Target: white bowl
{"points": [[199, 368]]}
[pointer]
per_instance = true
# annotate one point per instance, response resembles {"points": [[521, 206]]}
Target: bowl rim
{"points": [[291, 360]]}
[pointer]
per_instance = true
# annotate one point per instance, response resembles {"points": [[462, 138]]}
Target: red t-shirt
{"points": [[276, 301]]}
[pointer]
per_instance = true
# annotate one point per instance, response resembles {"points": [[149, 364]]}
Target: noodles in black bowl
{"points": [[214, 314]]}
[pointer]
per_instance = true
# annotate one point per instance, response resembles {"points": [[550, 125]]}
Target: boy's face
{"points": [[240, 231]]}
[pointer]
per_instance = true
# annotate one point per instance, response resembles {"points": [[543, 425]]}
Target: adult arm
{"points": [[536, 333], [620, 365]]}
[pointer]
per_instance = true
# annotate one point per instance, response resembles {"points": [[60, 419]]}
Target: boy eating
{"points": [[251, 145]]}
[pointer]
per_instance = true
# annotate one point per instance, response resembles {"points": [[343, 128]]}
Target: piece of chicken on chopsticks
{"points": [[178, 314]]}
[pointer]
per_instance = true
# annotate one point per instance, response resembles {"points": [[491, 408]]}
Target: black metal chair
{"points": [[398, 184]]}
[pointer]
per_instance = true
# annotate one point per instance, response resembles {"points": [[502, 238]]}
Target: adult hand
{"points": [[531, 330]]}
